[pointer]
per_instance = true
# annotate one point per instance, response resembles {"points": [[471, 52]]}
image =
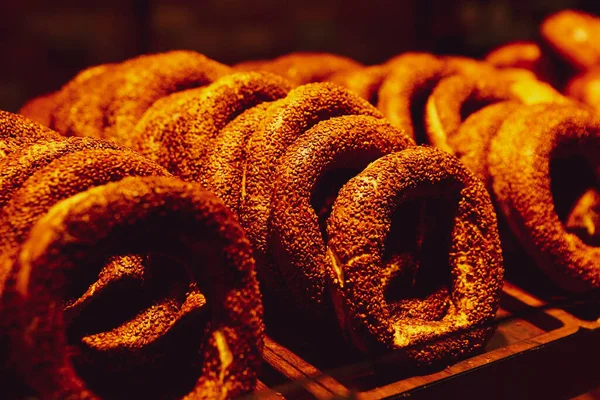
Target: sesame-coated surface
{"points": [[79, 104], [526, 55], [360, 278], [519, 165], [109, 102], [178, 130], [39, 109], [302, 67], [176, 219], [575, 36], [472, 141], [405, 89], [295, 238], [585, 87], [454, 96], [367, 81], [141, 81], [226, 162], [283, 122], [17, 131], [39, 175]]}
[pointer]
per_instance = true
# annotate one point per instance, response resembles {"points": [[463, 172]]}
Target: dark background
{"points": [[44, 43]]}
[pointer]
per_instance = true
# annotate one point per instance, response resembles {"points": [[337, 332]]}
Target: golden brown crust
{"points": [[226, 161], [472, 141], [302, 67], [143, 80], [295, 238], [110, 102], [575, 36], [585, 87], [455, 95], [17, 131], [178, 131], [60, 172], [526, 55], [367, 81], [19, 166], [79, 109], [40, 108], [284, 121], [519, 164], [358, 227], [405, 89], [176, 217]]}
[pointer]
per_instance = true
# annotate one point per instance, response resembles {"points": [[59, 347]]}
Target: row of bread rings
{"points": [[466, 113], [186, 144], [568, 57], [250, 139], [68, 203]]}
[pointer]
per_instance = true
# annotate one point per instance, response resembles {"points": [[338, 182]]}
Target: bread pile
{"points": [[206, 189]]}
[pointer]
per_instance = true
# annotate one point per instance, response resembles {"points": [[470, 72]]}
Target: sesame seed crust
{"points": [[176, 218], [357, 229], [283, 122], [367, 81], [108, 100], [405, 84], [472, 141], [523, 54], [295, 238], [17, 131], [452, 95], [302, 67], [79, 109], [519, 165], [226, 162], [178, 131]]}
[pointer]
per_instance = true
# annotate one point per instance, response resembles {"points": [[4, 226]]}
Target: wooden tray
{"points": [[298, 366]]}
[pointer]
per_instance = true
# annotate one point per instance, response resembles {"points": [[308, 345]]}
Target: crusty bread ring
{"points": [[575, 36], [519, 165], [226, 160], [178, 219], [585, 87], [302, 67], [283, 122], [367, 81], [40, 108], [526, 55], [471, 144], [430, 328], [344, 144], [455, 95], [177, 132], [17, 131]]}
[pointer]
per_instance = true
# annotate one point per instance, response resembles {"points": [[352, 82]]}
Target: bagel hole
{"points": [[128, 291], [168, 362], [416, 255], [374, 95], [325, 192], [576, 195], [475, 103]]}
